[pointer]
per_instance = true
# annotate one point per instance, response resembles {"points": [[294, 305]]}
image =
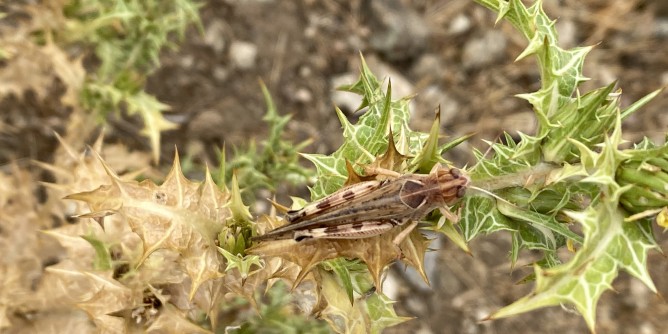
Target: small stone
{"points": [[484, 50], [424, 329], [524, 122], [305, 71], [427, 67], [398, 31], [401, 86], [661, 27], [647, 328], [355, 42], [220, 73], [664, 79], [243, 54], [262, 206], [214, 36], [432, 97], [206, 124], [416, 305], [310, 32], [187, 61], [567, 31], [303, 95], [459, 25]]}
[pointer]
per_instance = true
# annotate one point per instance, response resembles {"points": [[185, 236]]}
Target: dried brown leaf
{"points": [[173, 320], [377, 252], [368, 314], [179, 215], [392, 159]]}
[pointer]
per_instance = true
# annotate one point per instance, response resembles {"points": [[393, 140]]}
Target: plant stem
{"points": [[532, 175]]}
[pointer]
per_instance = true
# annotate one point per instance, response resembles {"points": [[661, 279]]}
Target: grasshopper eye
{"points": [[461, 191]]}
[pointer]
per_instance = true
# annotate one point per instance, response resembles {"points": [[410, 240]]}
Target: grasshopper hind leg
{"points": [[347, 231], [403, 234], [449, 215]]}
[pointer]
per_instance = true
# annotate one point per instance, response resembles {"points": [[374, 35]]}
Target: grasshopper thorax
{"points": [[452, 183]]}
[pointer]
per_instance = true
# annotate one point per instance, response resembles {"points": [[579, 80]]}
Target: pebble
{"points": [[459, 25], [398, 32], [427, 67], [243, 54], [484, 50], [303, 95], [433, 96], [214, 36], [401, 86], [206, 124], [220, 73], [348, 102], [567, 30], [661, 27]]}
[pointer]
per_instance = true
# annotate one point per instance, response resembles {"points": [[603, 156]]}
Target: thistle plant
{"points": [[275, 162], [127, 37], [572, 171], [178, 256]]}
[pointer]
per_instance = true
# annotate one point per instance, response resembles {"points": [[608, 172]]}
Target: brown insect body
{"points": [[370, 208]]}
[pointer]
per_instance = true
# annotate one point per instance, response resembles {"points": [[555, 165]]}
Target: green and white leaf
{"points": [[610, 243], [366, 139]]}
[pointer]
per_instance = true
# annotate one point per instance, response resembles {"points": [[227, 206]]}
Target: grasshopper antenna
{"points": [[487, 192]]}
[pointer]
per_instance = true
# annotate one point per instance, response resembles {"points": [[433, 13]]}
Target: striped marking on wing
{"points": [[335, 199], [356, 230]]}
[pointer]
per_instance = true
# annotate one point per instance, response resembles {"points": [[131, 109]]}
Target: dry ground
{"points": [[449, 53]]}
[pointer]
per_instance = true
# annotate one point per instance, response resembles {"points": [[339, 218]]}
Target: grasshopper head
{"points": [[452, 183]]}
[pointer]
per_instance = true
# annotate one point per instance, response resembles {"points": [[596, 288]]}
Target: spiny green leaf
{"points": [[545, 224], [102, 259], [507, 159], [561, 73], [243, 263], [610, 244], [430, 154], [240, 212], [480, 216], [128, 37], [222, 171], [646, 172], [340, 268], [368, 314], [586, 120], [275, 161], [367, 139], [150, 110], [449, 230], [109, 97], [635, 106], [382, 314]]}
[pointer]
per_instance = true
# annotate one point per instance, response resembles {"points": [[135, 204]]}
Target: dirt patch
{"points": [[465, 64], [451, 54]]}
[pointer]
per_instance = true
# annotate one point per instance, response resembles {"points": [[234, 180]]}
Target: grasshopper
{"points": [[371, 208]]}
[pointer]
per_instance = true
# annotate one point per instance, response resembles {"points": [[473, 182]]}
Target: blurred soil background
{"points": [[448, 53]]}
